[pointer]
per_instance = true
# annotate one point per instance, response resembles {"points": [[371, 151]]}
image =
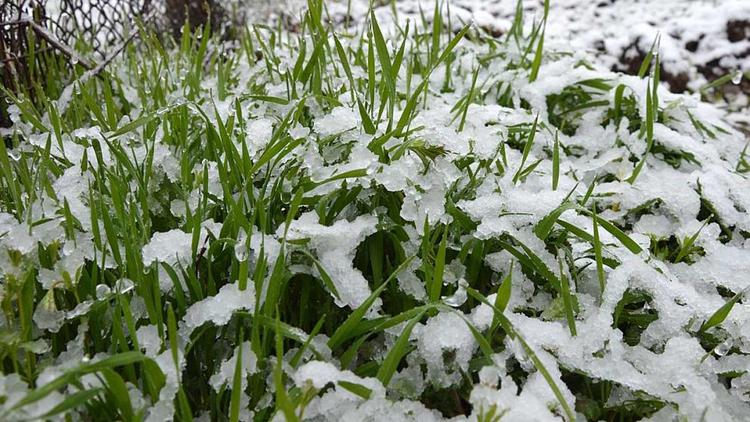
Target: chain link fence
{"points": [[98, 23], [85, 31]]}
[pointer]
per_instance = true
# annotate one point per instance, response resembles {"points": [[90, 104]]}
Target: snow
{"points": [[341, 404], [447, 345], [339, 120], [318, 374], [335, 247], [169, 247], [249, 365], [218, 309], [668, 361]]}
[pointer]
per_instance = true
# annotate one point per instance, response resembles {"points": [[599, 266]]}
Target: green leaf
{"points": [[576, 231], [293, 208], [508, 327], [527, 149], [74, 374], [647, 60], [598, 255], [567, 300], [618, 234], [327, 281], [366, 120], [346, 330], [357, 389], [537, 62], [234, 404], [687, 244], [397, 352], [484, 345], [530, 260], [282, 398], [545, 225], [343, 59], [504, 290], [650, 119], [437, 279], [556, 162], [73, 401], [119, 393], [722, 313], [140, 121], [267, 99], [437, 29]]}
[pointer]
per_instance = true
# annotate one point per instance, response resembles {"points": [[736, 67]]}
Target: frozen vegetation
{"points": [[404, 217]]}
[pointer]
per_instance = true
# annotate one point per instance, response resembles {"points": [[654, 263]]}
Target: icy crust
{"points": [[705, 197]]}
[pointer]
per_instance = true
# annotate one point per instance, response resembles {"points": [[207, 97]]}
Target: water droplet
{"points": [[737, 78], [723, 348], [124, 285], [694, 325], [459, 297], [240, 252], [102, 291], [85, 359]]}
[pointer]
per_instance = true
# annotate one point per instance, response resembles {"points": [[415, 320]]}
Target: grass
{"points": [[231, 147]]}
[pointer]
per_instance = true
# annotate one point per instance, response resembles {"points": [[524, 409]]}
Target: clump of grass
{"points": [[318, 193]]}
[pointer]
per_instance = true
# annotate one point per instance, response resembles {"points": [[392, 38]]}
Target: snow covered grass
{"points": [[401, 222]]}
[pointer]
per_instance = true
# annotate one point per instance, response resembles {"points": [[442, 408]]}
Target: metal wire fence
{"points": [[83, 32], [98, 23]]}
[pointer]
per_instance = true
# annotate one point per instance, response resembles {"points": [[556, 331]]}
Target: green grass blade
{"points": [[567, 300], [618, 234], [346, 329], [73, 401], [526, 149], [119, 392], [508, 327], [504, 290], [234, 404], [70, 376], [437, 274], [556, 162], [355, 388], [722, 313], [397, 352]]}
